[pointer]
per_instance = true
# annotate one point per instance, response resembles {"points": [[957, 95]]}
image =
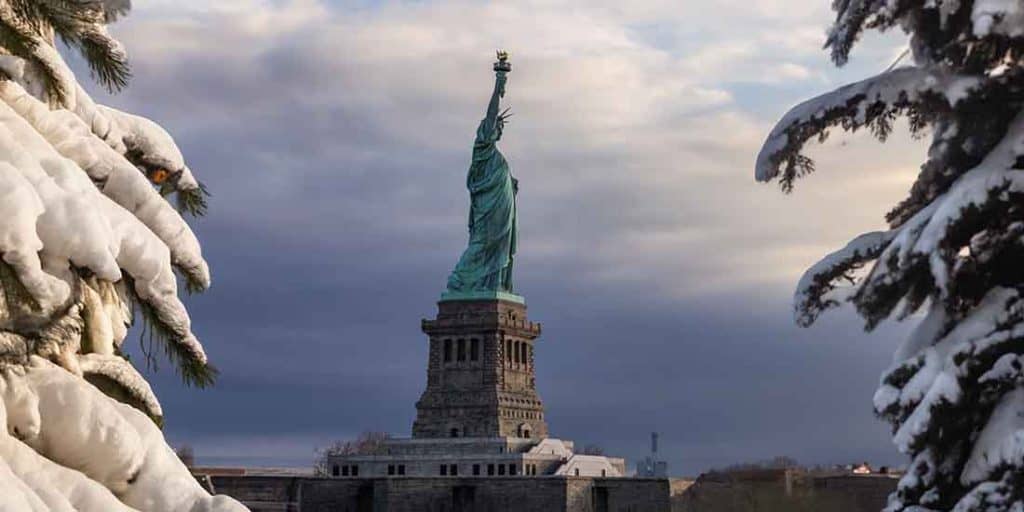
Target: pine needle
{"points": [[22, 44], [157, 335], [14, 290], [79, 25], [193, 200]]}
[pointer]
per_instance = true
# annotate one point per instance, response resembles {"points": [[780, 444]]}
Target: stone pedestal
{"points": [[480, 415], [480, 372]]}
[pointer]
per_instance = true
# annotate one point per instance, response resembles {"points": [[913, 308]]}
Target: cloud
{"points": [[335, 138]]}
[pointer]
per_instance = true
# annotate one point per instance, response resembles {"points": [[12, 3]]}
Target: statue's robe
{"points": [[486, 264]]}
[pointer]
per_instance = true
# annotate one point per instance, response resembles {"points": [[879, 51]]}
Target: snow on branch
{"points": [[991, 495], [815, 291], [87, 452], [852, 17], [78, 225], [117, 178], [143, 142], [88, 240], [931, 382], [116, 369], [149, 146], [972, 191], [1000, 443], [932, 236], [954, 394], [872, 102], [991, 17], [59, 218]]}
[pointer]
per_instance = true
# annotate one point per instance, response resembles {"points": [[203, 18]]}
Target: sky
{"points": [[335, 138]]}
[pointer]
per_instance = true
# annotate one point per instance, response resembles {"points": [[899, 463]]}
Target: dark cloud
{"points": [[336, 152]]}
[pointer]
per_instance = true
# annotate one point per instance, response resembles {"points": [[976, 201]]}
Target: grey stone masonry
{"points": [[480, 373], [459, 494]]}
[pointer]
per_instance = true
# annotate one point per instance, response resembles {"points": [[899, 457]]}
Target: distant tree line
{"points": [[779, 462]]}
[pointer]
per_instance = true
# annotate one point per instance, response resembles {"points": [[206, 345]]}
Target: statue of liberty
{"points": [[485, 268]]}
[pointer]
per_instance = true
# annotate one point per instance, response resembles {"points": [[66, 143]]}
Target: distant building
{"points": [[650, 466]]}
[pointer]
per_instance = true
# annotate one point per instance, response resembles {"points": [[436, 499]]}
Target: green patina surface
{"points": [[485, 268], [483, 295]]}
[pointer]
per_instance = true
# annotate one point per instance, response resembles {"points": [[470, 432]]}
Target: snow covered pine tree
{"points": [[87, 240], [954, 249]]}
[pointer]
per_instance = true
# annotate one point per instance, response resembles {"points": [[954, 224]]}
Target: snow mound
{"points": [[88, 452]]}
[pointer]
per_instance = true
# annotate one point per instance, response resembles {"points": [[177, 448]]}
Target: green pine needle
{"points": [[193, 200], [107, 63], [23, 45], [14, 290], [156, 332], [77, 24]]}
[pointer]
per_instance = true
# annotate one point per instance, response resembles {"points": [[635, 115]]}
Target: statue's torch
{"points": [[503, 65]]}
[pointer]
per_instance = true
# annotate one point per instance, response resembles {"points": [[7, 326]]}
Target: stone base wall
{"points": [[547, 494], [415, 495]]}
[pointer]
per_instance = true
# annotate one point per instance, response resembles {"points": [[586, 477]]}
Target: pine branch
{"points": [[954, 397], [193, 200], [23, 44], [155, 332], [14, 290], [107, 62], [80, 25]]}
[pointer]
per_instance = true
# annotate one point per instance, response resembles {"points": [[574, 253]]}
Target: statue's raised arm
{"points": [[501, 70]]}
